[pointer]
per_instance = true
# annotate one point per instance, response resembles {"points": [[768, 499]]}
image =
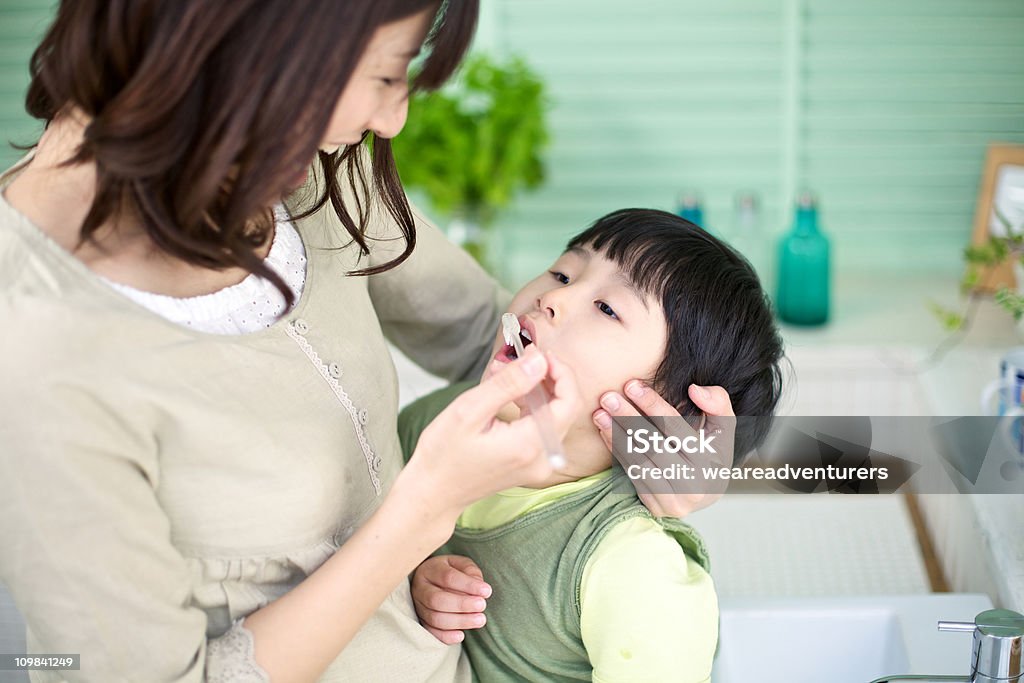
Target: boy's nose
{"points": [[550, 305]]}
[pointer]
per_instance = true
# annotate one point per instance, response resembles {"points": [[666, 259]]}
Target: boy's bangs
{"points": [[647, 246]]}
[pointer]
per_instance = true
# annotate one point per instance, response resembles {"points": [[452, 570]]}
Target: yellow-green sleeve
{"points": [[648, 613]]}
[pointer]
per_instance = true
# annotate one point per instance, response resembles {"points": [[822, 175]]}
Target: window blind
{"points": [[883, 107]]}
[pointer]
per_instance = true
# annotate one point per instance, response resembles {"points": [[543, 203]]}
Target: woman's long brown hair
{"points": [[201, 111]]}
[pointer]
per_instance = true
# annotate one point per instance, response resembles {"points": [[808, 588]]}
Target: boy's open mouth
{"points": [[507, 354]]}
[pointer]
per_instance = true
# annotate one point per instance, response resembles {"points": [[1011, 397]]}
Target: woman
{"points": [[200, 471]]}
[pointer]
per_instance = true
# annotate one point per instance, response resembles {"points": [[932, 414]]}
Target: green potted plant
{"points": [[471, 146]]}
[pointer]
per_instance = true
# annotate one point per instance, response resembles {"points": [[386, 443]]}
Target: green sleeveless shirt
{"points": [[535, 563]]}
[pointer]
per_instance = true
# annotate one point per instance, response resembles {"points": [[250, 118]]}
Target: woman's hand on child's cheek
{"points": [[449, 594], [675, 497]]}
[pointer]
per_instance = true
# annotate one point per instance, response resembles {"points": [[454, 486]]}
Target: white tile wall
{"points": [[803, 545], [790, 545]]}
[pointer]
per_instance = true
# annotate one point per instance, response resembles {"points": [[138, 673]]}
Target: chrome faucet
{"points": [[998, 653]]}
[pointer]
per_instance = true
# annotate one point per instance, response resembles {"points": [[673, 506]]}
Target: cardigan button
{"points": [[334, 370], [375, 465], [300, 326]]}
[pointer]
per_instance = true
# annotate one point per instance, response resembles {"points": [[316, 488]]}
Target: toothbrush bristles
{"points": [[510, 328]]}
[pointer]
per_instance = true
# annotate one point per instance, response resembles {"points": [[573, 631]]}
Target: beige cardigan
{"points": [[159, 483]]}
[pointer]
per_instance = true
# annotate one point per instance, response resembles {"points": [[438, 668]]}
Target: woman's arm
{"points": [[439, 307], [87, 551]]}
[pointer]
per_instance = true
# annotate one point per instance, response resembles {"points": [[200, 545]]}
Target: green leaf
{"points": [[950, 320], [1011, 301]]}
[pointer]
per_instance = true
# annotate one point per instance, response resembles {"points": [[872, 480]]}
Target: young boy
{"points": [[587, 584]]}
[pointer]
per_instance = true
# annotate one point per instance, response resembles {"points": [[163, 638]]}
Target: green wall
{"points": [[22, 23], [883, 107]]}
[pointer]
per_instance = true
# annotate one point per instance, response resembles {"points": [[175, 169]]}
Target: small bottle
{"points": [[803, 287], [746, 236], [690, 208]]}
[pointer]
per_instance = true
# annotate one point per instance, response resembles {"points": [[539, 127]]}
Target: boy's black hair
{"points": [[720, 325]]}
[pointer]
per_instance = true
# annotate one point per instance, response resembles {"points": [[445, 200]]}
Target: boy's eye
{"points": [[606, 309], [561, 277], [390, 82]]}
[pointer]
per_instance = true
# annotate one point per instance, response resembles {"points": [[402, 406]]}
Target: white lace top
{"points": [[251, 305]]}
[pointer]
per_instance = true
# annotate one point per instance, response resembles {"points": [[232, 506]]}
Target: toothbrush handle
{"points": [[537, 402], [538, 405]]}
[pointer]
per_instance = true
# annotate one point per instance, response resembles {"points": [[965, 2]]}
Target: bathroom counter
{"points": [[983, 534], [893, 309], [885, 348]]}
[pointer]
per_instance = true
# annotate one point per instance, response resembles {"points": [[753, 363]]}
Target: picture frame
{"points": [[1002, 185]]}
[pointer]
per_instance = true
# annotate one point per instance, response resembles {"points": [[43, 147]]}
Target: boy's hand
{"points": [[449, 594], [664, 497]]}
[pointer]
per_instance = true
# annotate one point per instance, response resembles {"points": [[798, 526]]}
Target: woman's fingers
{"points": [[612, 405], [466, 453], [481, 403], [648, 401], [603, 422], [721, 421], [712, 400], [617, 406]]}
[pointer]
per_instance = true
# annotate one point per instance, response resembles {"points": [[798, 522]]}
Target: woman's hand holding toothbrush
{"points": [[466, 454]]}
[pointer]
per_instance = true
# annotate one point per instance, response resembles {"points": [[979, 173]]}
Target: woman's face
{"points": [[376, 97]]}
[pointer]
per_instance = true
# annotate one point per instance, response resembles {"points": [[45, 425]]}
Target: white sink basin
{"points": [[842, 640]]}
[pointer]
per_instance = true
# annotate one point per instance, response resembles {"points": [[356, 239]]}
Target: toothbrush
{"points": [[536, 399]]}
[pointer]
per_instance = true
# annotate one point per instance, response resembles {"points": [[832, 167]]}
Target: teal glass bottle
{"points": [[690, 208], [802, 297]]}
